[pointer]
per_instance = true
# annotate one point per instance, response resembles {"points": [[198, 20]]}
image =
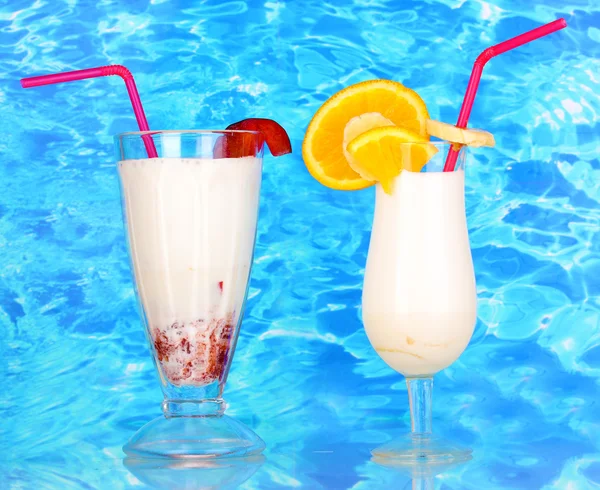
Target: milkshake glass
{"points": [[191, 217]]}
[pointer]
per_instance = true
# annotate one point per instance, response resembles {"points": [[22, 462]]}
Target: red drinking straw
{"points": [[102, 71], [482, 59]]}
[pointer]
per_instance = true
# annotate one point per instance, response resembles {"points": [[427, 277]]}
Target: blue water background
{"points": [[75, 371]]}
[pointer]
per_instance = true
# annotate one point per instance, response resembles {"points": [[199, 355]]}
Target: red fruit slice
{"points": [[275, 136], [236, 145]]}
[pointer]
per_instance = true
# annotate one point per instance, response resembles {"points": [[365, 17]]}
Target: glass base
{"points": [[211, 436], [169, 474], [420, 450]]}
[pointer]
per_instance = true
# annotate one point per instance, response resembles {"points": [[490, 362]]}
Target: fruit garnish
{"points": [[323, 146], [361, 124], [237, 145], [381, 154], [454, 134]]}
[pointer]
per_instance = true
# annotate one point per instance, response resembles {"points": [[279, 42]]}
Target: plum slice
{"points": [[237, 145]]}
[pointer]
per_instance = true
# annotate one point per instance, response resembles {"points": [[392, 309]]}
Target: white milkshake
{"points": [[419, 295], [191, 224]]}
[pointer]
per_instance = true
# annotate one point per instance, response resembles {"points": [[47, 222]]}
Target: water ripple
{"points": [[77, 376]]}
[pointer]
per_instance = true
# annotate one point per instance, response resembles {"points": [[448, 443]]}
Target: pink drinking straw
{"points": [[482, 59], [102, 71]]}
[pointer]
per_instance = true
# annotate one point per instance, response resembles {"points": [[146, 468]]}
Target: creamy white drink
{"points": [[419, 296], [191, 225]]}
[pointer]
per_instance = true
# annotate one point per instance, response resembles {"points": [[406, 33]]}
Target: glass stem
{"points": [[427, 483], [419, 399]]}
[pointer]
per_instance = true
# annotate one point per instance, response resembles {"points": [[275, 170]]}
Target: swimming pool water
{"points": [[77, 378]]}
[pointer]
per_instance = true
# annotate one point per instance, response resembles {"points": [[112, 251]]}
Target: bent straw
{"points": [[482, 59], [102, 71]]}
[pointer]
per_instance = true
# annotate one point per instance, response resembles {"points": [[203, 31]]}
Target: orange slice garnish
{"points": [[381, 154], [323, 146]]}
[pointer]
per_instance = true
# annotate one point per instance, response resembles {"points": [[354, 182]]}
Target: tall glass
{"points": [[419, 296], [191, 218]]}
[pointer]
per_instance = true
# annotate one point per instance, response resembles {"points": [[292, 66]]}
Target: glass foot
{"points": [[420, 450], [199, 474], [213, 436]]}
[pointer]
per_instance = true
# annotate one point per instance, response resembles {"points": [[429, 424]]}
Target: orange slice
{"points": [[323, 146], [382, 153], [359, 125]]}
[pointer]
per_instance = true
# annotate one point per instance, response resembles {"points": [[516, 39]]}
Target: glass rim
{"points": [[185, 131]]}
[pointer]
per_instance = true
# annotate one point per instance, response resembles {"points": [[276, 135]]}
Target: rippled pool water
{"points": [[76, 373]]}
